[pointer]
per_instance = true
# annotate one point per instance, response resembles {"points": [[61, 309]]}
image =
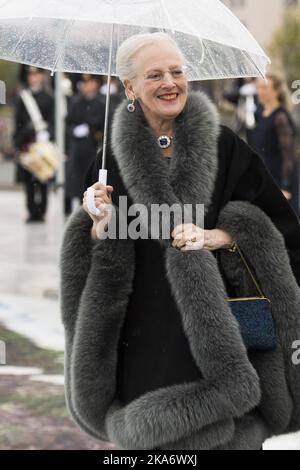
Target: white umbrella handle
{"points": [[91, 194]]}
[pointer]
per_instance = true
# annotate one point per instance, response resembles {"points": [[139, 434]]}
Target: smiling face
{"points": [[160, 84]]}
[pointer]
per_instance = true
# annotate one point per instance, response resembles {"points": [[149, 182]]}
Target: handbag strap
{"points": [[33, 110], [235, 249]]}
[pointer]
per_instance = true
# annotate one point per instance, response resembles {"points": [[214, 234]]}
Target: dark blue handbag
{"points": [[254, 316]]}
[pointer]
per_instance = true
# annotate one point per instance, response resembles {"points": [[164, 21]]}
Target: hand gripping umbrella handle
{"points": [[91, 194]]}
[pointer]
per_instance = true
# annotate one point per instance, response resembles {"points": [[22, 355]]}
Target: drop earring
{"points": [[131, 107]]}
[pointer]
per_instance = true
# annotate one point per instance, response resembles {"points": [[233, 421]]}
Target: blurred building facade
{"points": [[261, 18]]}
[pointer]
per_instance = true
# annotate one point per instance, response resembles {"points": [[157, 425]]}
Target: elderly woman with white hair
{"points": [[155, 358]]}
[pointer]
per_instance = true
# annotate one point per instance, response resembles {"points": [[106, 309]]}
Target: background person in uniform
{"points": [[25, 134], [85, 122], [275, 136]]}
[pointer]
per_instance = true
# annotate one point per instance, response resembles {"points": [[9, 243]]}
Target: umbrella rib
{"points": [[253, 62], [64, 40], [167, 16], [104, 150], [22, 36]]}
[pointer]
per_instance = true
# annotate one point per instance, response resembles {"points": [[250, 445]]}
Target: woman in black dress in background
{"points": [[275, 137]]}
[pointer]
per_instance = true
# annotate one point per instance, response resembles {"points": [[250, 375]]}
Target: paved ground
{"points": [[30, 322], [33, 413]]}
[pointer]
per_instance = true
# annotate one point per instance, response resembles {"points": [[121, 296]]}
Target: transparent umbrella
{"points": [[83, 36], [74, 35]]}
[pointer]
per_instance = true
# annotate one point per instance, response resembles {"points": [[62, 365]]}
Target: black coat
{"points": [[24, 130], [154, 357], [82, 150], [242, 176]]}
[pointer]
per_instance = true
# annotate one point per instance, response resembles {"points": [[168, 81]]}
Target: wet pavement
{"points": [[32, 399]]}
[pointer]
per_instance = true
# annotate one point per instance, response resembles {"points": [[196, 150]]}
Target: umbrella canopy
{"points": [[77, 36], [74, 36]]}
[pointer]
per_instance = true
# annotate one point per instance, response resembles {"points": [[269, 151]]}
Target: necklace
{"points": [[164, 141]]}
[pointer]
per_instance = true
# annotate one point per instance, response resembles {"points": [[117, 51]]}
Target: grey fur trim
{"points": [[192, 173], [100, 318], [276, 405], [210, 436], [221, 409], [250, 433], [75, 260], [266, 250], [88, 287]]}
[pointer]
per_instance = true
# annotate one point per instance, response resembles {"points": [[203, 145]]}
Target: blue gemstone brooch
{"points": [[164, 141]]}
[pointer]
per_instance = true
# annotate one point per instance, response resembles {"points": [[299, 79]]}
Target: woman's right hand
{"points": [[103, 202]]}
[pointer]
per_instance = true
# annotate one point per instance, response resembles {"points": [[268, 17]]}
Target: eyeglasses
{"points": [[157, 76]]}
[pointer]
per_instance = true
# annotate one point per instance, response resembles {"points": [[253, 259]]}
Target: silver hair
{"points": [[132, 45]]}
